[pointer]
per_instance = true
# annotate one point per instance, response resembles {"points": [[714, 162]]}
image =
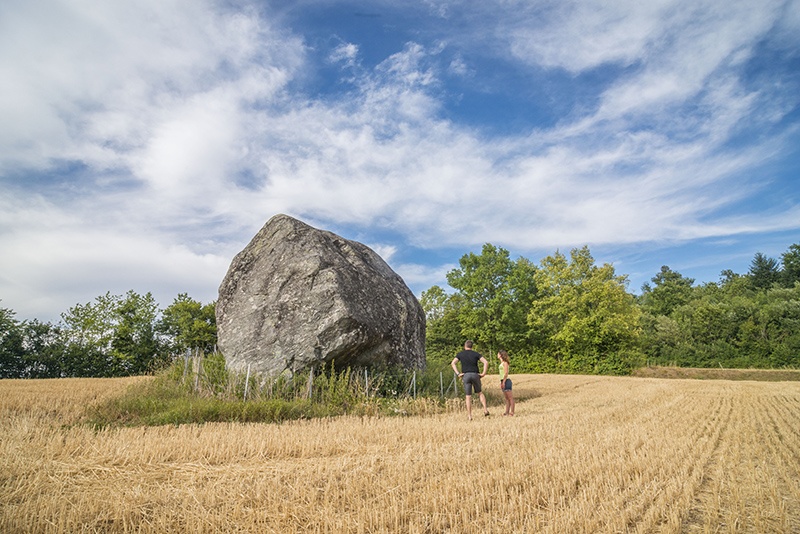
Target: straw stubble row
{"points": [[591, 454]]}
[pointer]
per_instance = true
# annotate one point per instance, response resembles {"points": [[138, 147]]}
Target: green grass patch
{"points": [[176, 397]]}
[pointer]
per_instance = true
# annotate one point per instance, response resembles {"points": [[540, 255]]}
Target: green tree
{"points": [[770, 333], [671, 290], [496, 293], [134, 342], [434, 302], [12, 351], [731, 324], [732, 284], [790, 260], [585, 318], [112, 336], [665, 330], [92, 324], [189, 324], [764, 271], [44, 350], [443, 337]]}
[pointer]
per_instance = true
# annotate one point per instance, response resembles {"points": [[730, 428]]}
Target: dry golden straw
{"points": [[590, 454]]}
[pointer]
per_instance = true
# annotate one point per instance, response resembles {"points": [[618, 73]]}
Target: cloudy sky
{"points": [[143, 144]]}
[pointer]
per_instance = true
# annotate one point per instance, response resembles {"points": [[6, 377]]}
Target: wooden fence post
{"points": [[186, 364], [196, 366]]}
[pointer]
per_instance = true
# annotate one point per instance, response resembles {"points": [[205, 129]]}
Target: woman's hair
{"points": [[503, 355]]}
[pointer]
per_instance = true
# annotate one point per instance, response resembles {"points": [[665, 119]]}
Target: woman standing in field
{"points": [[505, 382]]}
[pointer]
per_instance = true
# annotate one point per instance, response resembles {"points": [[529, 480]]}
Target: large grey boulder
{"points": [[297, 297]]}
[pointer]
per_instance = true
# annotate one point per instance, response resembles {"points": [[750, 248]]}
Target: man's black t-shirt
{"points": [[469, 361]]}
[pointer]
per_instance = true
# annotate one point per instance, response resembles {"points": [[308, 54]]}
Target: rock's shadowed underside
{"points": [[298, 297]]}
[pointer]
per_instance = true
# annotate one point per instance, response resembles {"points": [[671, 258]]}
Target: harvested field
{"points": [[588, 454]]}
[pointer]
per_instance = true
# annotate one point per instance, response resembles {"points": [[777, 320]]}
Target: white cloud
{"points": [[92, 80], [184, 114], [596, 181], [53, 259], [582, 35], [346, 53], [424, 276], [704, 43], [191, 150], [386, 252], [579, 35]]}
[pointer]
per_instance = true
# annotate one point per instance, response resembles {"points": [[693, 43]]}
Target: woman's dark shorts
{"points": [[472, 380], [507, 385]]}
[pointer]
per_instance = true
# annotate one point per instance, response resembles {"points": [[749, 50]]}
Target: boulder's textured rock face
{"points": [[297, 297]]}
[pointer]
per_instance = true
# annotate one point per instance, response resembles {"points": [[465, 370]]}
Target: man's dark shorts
{"points": [[472, 381]]}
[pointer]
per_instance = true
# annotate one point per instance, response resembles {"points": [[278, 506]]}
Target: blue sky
{"points": [[143, 144]]}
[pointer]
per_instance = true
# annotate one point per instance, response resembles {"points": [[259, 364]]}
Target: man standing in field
{"points": [[469, 372]]}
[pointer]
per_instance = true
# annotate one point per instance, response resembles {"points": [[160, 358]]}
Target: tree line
{"points": [[569, 315], [565, 314], [115, 335]]}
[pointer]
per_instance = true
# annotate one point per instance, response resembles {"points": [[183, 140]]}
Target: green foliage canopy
{"points": [[790, 260], [579, 317], [443, 337], [671, 290], [495, 294], [190, 324], [114, 335], [585, 314], [764, 271]]}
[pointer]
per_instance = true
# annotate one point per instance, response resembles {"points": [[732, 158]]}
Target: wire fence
{"points": [[207, 374]]}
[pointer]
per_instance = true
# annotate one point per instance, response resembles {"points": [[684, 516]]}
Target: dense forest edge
{"points": [[569, 315], [565, 314]]}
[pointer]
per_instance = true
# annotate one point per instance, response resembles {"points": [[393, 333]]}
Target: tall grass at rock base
{"points": [[211, 393]]}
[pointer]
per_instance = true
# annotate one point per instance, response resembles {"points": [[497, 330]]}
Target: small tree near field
{"points": [[189, 324]]}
